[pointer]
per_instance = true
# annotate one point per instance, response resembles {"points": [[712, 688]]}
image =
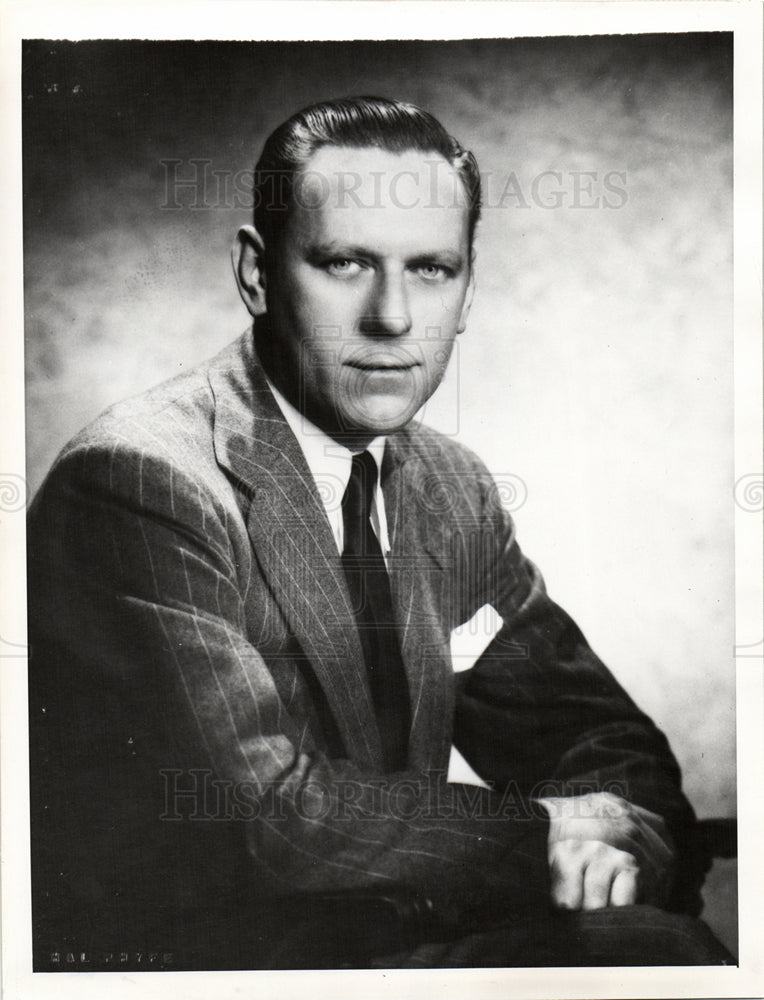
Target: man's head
{"points": [[357, 123], [361, 255]]}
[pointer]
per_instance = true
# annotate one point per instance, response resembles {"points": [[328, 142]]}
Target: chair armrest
{"points": [[716, 838], [698, 845]]}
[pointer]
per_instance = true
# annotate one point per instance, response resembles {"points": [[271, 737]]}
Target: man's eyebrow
{"points": [[322, 251]]}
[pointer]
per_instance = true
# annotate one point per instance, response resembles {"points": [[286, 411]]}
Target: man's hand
{"points": [[604, 851]]}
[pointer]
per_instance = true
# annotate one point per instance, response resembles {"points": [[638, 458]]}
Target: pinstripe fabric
{"points": [[190, 629]]}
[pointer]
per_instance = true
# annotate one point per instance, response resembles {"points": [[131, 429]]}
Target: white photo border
{"points": [[377, 19]]}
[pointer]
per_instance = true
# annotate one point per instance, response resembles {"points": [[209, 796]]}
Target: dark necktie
{"points": [[369, 587]]}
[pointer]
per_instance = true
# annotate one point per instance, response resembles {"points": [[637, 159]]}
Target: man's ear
{"points": [[247, 255], [467, 304]]}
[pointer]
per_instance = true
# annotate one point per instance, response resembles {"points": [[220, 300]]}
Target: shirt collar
{"points": [[329, 463]]}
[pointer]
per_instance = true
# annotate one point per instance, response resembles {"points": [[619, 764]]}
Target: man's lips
{"points": [[382, 364]]}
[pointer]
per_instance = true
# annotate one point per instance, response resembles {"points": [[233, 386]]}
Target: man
{"points": [[242, 588]]}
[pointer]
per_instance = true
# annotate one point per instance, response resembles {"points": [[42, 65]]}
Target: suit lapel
{"points": [[419, 587], [292, 541]]}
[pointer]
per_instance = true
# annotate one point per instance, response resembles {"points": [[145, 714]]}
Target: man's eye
{"points": [[343, 267], [432, 272]]}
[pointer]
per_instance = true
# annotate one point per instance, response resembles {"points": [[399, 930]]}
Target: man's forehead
{"points": [[331, 159], [346, 188]]}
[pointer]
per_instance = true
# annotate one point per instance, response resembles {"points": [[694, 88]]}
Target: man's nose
{"points": [[387, 310]]}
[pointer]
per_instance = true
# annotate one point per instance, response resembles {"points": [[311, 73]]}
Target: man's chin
{"points": [[378, 421]]}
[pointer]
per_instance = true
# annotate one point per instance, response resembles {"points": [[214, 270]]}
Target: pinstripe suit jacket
{"points": [[191, 632]]}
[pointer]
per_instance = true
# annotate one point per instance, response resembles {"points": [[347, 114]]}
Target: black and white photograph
{"points": [[382, 491]]}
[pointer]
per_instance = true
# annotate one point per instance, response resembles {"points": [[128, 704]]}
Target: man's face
{"points": [[369, 288]]}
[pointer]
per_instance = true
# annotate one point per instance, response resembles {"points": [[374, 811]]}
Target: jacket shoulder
{"points": [[164, 434], [439, 451], [147, 420], [446, 478], [176, 411]]}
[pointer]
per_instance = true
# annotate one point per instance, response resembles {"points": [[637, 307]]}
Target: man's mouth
{"points": [[382, 364]]}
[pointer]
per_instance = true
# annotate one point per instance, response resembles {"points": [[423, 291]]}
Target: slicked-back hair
{"points": [[360, 122]]}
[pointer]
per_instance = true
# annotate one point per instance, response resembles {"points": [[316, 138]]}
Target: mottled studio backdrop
{"points": [[595, 376]]}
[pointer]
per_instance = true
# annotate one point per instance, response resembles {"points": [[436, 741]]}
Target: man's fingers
{"points": [[598, 877], [566, 863], [623, 891], [591, 878], [590, 875], [606, 866], [602, 816]]}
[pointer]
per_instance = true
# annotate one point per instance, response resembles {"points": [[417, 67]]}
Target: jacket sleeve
{"points": [[143, 683], [541, 712]]}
